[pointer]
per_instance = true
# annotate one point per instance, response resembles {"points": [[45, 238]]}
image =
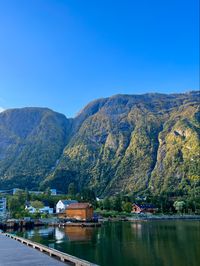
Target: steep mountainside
{"points": [[31, 142], [117, 144], [122, 143]]}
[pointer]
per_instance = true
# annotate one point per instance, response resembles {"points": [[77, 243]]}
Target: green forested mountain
{"points": [[125, 143], [31, 142]]}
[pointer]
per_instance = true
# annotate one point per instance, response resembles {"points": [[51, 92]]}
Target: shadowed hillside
{"points": [[31, 142]]}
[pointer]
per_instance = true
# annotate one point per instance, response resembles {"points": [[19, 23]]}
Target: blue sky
{"points": [[62, 54]]}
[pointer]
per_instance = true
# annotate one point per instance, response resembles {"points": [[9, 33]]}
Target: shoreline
{"points": [[165, 218], [152, 218], [5, 226]]}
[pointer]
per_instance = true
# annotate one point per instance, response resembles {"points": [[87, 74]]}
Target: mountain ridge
{"points": [[121, 143]]}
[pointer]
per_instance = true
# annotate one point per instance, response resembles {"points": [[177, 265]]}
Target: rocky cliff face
{"points": [[122, 143]]}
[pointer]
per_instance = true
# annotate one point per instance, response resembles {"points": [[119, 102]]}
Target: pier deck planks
{"points": [[14, 253]]}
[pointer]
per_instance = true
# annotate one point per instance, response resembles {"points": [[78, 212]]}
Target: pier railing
{"points": [[52, 252]]}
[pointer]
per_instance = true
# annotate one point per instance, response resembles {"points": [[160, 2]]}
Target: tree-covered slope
{"points": [[125, 143], [131, 143], [31, 142], [178, 159]]}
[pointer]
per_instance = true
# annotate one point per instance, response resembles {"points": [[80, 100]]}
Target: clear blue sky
{"points": [[64, 53]]}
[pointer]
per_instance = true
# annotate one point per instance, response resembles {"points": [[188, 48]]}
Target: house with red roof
{"points": [[144, 208]]}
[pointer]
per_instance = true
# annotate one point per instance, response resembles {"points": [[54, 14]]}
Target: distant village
{"points": [[63, 208], [85, 207]]}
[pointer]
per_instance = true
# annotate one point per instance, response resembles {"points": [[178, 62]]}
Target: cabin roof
{"points": [[68, 202], [75, 206]]}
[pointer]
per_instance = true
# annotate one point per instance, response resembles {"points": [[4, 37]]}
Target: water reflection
{"points": [[78, 233], [73, 234], [137, 228], [127, 244], [59, 235]]}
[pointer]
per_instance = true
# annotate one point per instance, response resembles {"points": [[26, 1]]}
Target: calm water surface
{"points": [[171, 243]]}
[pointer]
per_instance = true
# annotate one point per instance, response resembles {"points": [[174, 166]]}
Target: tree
{"points": [[27, 195], [88, 195], [179, 206], [117, 203], [13, 205], [48, 192], [127, 207], [16, 206], [37, 204], [106, 204], [71, 189]]}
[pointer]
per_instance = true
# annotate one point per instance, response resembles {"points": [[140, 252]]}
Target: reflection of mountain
{"points": [[161, 243], [78, 233]]}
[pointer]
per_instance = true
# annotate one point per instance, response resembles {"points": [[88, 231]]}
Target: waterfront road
{"points": [[14, 253]]}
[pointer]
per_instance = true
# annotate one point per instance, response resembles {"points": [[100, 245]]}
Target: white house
{"points": [[45, 209], [31, 209], [62, 205]]}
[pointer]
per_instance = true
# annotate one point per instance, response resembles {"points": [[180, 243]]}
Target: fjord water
{"points": [[163, 243]]}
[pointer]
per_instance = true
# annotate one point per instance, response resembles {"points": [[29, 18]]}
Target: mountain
{"points": [[125, 143], [31, 142]]}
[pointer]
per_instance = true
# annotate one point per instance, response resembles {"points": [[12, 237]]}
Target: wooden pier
{"points": [[19, 224], [75, 224], [31, 253]]}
